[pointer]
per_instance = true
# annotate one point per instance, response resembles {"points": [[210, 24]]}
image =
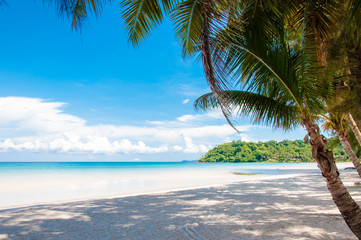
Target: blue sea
{"points": [[126, 167], [47, 182]]}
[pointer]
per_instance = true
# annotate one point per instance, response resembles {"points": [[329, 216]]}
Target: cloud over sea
{"points": [[39, 125]]}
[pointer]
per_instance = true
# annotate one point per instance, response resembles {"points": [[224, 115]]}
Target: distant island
{"points": [[271, 151]]}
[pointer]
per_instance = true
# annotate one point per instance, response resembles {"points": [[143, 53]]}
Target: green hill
{"points": [[271, 151]]}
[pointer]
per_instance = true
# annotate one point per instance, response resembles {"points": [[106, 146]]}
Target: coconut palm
{"points": [[280, 86], [340, 120], [351, 26], [354, 127], [336, 121], [341, 47], [334, 95], [343, 103], [280, 82]]}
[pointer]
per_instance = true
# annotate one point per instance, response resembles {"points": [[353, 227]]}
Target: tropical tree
{"points": [[278, 80], [277, 85], [354, 127], [338, 117], [337, 121], [342, 104]]}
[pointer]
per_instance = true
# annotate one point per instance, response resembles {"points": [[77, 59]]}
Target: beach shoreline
{"points": [[220, 180], [292, 206], [246, 178], [47, 186]]}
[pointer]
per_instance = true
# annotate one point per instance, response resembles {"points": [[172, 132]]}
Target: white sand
{"points": [[296, 206], [47, 188]]}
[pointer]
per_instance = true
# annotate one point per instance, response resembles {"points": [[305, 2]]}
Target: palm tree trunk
{"points": [[354, 127], [347, 146], [350, 210]]}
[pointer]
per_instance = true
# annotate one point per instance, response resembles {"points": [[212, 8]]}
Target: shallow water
{"points": [[36, 183]]}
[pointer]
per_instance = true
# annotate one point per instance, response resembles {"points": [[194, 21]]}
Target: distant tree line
{"points": [[271, 151]]}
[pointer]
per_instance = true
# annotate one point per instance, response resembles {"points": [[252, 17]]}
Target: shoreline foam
{"points": [[39, 191], [293, 206]]}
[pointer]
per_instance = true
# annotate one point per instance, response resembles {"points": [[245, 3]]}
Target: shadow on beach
{"points": [[287, 208]]}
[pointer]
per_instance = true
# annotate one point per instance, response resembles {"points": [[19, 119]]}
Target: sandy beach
{"points": [[296, 206]]}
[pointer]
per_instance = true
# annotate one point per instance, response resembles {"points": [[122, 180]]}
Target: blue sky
{"points": [[92, 96]]}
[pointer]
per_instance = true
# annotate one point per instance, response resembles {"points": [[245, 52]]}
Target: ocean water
{"points": [[15, 168], [38, 183]]}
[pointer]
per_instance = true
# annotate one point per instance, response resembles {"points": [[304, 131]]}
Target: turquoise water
{"points": [[46, 182], [46, 167]]}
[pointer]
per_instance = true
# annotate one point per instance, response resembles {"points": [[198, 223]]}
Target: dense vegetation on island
{"points": [[271, 151]]}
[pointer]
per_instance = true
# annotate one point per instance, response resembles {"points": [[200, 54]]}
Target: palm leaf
{"points": [[188, 22], [195, 22], [317, 19], [256, 61], [78, 10], [169, 5], [256, 56], [354, 20], [266, 110], [142, 16], [355, 8]]}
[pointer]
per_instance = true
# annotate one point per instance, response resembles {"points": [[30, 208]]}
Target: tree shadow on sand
{"points": [[289, 208]]}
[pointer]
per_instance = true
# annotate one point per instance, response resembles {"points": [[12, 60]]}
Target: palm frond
{"points": [[169, 5], [318, 20], [78, 10], [354, 20], [188, 22], [253, 57], [215, 79], [142, 16], [354, 8], [262, 109], [195, 23]]}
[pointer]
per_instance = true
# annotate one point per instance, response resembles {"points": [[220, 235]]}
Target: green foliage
{"points": [[77, 10], [140, 17], [271, 151]]}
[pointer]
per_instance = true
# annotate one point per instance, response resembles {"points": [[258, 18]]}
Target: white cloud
{"points": [[32, 124], [185, 101], [156, 122], [177, 148], [186, 118], [35, 116], [93, 144], [192, 148], [201, 117]]}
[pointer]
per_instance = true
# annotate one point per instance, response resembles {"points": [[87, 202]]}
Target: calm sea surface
{"points": [[36, 183], [125, 167]]}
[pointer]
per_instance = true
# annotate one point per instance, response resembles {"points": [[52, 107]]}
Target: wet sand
{"points": [[295, 206]]}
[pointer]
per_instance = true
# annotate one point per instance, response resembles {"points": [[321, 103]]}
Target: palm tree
{"points": [[337, 122], [259, 56], [350, 25], [354, 127], [334, 94], [278, 86], [341, 105]]}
